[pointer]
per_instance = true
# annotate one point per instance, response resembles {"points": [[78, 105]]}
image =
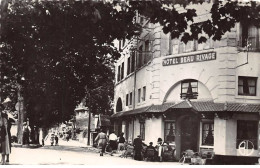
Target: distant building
{"points": [[194, 96]]}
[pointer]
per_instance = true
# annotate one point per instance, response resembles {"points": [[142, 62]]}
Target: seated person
{"points": [[150, 151]]}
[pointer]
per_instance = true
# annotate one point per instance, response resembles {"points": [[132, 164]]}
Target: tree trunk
{"points": [[20, 116]]}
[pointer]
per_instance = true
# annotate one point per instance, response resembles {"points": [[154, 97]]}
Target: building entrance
{"points": [[189, 133]]}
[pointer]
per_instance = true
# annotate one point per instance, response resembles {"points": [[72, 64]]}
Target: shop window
{"points": [[139, 95], [189, 89], [126, 100], [144, 93], [169, 131], [247, 86], [208, 133], [131, 98], [247, 131], [142, 130]]}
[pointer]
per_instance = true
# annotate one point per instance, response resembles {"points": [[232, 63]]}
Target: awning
{"points": [[210, 106], [197, 106], [144, 110]]}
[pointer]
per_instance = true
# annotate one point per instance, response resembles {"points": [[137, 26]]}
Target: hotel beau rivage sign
{"points": [[189, 58]]}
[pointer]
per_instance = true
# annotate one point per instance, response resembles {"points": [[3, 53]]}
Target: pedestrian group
{"points": [[112, 144]]}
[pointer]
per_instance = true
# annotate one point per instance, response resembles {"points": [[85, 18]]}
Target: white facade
{"points": [[218, 81]]}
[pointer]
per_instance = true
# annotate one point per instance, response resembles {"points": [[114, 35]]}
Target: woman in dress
{"points": [[101, 139], [4, 133]]}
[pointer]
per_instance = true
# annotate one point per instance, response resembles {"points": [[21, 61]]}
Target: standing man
{"points": [[113, 142], [138, 146], [8, 119]]}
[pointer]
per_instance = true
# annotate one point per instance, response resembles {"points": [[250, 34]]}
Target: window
{"points": [[142, 130], [139, 96], [144, 93], [175, 46], [128, 65], [189, 89], [140, 57], [189, 46], [122, 71], [118, 73], [249, 36], [181, 47], [131, 98], [147, 54], [208, 133], [247, 86], [132, 61], [126, 100], [169, 131], [247, 131]]}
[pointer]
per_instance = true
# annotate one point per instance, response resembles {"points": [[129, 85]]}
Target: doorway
{"points": [[189, 133]]}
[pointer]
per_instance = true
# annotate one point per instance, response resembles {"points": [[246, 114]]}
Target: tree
{"points": [[62, 48]]}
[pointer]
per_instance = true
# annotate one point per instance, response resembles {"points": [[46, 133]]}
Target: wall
{"points": [[251, 69], [154, 129], [220, 136], [225, 134]]}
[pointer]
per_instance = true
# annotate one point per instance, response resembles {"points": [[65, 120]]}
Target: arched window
{"points": [[189, 89], [119, 105]]}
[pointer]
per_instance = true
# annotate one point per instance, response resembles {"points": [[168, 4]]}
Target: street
{"points": [[70, 153]]}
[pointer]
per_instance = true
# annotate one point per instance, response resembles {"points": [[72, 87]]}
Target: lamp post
{"points": [[89, 116]]}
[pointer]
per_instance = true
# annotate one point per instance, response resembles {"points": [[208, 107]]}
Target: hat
{"points": [[7, 100]]}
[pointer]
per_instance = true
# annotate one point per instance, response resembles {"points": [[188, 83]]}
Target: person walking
{"points": [[101, 140], [121, 142], [4, 135], [113, 142], [138, 146], [56, 140]]}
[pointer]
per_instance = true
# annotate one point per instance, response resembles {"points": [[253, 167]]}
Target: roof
{"points": [[210, 106], [199, 106]]}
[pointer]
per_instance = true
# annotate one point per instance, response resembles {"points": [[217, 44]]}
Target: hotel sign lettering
{"points": [[190, 58]]}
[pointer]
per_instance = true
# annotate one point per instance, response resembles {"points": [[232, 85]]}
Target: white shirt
{"points": [[112, 137]]}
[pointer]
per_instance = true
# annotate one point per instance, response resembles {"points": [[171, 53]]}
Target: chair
{"points": [[186, 156], [149, 154]]}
